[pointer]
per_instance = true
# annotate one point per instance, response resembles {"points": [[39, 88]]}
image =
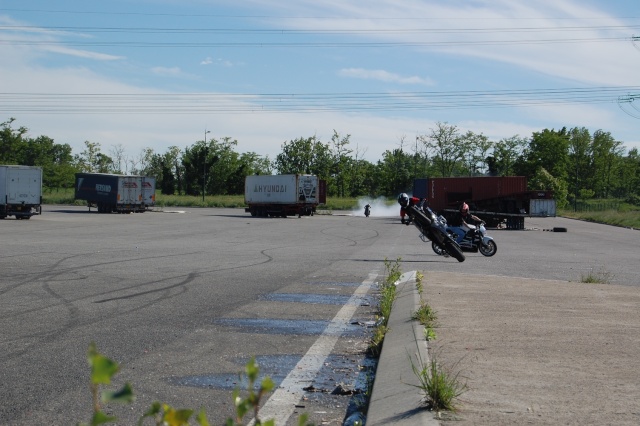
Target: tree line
{"points": [[574, 163]]}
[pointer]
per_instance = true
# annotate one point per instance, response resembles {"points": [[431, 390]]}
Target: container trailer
{"points": [[20, 191], [148, 192], [110, 192], [283, 195], [494, 199]]}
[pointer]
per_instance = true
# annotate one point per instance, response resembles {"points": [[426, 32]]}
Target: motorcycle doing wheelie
{"points": [[475, 240], [433, 229]]}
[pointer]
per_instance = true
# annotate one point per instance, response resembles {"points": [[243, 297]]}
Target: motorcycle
{"points": [[432, 228], [367, 210], [475, 240]]}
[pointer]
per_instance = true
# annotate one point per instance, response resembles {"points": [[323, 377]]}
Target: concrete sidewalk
{"points": [[529, 351]]}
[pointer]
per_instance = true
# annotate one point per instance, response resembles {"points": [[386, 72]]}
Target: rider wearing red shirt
{"points": [[405, 201]]}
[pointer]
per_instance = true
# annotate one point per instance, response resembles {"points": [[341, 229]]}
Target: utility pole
{"points": [[204, 163]]}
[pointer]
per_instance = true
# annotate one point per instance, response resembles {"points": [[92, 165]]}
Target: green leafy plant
{"points": [[103, 369], [440, 386], [419, 285], [252, 401], [375, 344], [426, 315], [387, 297], [392, 271], [429, 334]]}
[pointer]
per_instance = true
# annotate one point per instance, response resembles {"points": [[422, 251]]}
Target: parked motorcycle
{"points": [[433, 229], [367, 210], [475, 240]]}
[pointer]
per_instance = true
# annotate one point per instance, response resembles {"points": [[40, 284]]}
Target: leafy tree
{"points": [[580, 160], [543, 180], [394, 172], [341, 162], [92, 160], [607, 155], [474, 152], [446, 148], [56, 161], [194, 164], [306, 156], [12, 144], [222, 166], [548, 149], [629, 176], [505, 154], [118, 159]]}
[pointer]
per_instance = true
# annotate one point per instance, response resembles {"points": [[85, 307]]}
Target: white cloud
{"points": [[382, 75]]}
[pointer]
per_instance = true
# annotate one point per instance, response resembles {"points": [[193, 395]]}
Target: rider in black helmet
{"points": [[405, 201]]}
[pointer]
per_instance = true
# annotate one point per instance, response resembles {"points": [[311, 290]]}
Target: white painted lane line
{"points": [[282, 403]]}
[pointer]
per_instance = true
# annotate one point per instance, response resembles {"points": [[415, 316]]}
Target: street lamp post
{"points": [[204, 164]]}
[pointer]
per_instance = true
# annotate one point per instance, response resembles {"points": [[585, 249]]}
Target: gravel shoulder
{"points": [[538, 351]]}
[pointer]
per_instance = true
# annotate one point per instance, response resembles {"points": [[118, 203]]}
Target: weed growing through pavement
{"points": [[419, 286], [428, 317], [387, 297], [441, 386], [601, 276], [425, 315]]}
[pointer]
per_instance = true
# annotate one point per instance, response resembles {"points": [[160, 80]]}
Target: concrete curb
{"points": [[395, 399]]}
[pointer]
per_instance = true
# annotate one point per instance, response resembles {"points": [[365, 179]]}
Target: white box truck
{"points": [[20, 191], [283, 195]]}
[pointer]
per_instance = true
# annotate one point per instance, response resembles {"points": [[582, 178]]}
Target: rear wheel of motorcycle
{"points": [[489, 249], [454, 250]]}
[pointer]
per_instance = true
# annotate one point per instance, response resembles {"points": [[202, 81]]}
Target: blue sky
{"points": [[161, 73]]}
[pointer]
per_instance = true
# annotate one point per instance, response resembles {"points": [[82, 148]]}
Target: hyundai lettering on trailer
{"points": [[270, 188]]}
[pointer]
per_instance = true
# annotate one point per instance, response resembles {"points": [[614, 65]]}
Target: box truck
{"points": [[20, 191], [283, 195], [110, 192]]}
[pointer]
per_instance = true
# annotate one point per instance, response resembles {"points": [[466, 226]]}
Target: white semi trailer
{"points": [[283, 195], [20, 191]]}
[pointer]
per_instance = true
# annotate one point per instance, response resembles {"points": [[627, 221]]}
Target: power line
{"points": [[221, 103]]}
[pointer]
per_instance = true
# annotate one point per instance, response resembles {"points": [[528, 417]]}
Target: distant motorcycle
{"points": [[475, 240], [434, 229], [367, 210]]}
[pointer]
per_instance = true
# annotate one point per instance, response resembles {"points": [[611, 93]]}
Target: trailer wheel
{"points": [[559, 229]]}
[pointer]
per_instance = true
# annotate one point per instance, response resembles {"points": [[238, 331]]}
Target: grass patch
{"points": [[428, 317], [66, 196], [387, 297], [628, 218], [600, 276], [441, 386], [419, 284]]}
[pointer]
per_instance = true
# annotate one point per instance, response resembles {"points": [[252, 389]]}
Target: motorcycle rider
{"points": [[459, 224], [367, 210], [405, 201]]}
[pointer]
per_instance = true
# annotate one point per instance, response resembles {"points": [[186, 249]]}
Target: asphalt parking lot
{"points": [[152, 290]]}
